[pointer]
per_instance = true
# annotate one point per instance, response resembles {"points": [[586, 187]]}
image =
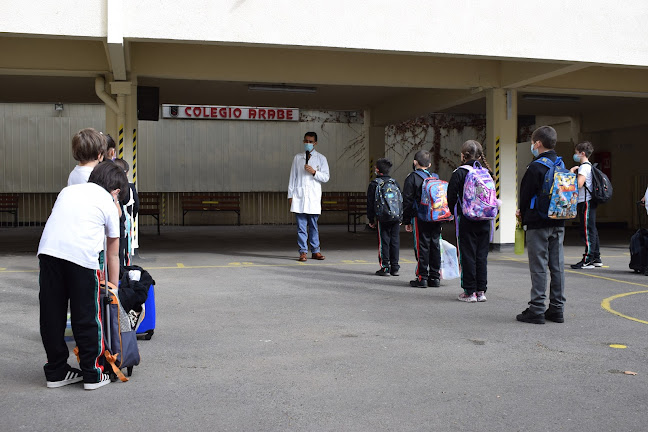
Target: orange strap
{"points": [[112, 359], [76, 353]]}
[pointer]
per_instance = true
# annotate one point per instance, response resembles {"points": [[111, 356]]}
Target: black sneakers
{"points": [[555, 315], [529, 317], [418, 283], [394, 272], [382, 272], [585, 263], [72, 376], [434, 283]]}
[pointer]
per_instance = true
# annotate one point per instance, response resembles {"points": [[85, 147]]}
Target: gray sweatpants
{"points": [[545, 248]]}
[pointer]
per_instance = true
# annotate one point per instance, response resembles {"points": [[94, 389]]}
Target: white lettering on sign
{"points": [[208, 112]]}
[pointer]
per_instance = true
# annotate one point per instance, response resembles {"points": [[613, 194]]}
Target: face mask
{"points": [[534, 152], [308, 147], [576, 158]]}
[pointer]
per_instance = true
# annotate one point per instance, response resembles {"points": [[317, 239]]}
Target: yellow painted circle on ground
{"points": [[605, 304], [618, 346]]}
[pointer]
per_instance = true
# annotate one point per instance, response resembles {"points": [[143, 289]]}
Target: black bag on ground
{"points": [[639, 248]]}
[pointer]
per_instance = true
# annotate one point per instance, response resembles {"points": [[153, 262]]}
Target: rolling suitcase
{"points": [[639, 247], [120, 338]]}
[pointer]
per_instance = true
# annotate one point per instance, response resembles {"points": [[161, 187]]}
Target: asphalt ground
{"points": [[248, 339]]}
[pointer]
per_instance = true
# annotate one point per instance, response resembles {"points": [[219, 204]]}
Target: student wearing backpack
{"points": [[544, 236], [426, 233], [385, 212], [473, 228], [586, 207]]}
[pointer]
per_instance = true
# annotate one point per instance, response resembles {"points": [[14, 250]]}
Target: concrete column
{"points": [[126, 119], [501, 145], [375, 136]]}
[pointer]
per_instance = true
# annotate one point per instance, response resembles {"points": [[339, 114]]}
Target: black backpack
{"points": [[601, 186], [388, 203]]}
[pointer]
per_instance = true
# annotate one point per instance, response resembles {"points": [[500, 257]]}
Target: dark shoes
{"points": [[555, 315], [394, 273], [529, 317], [302, 257], [318, 256], [382, 272], [585, 263], [432, 283], [418, 283]]}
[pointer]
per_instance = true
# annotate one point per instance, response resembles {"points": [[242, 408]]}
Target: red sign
{"points": [[207, 112]]}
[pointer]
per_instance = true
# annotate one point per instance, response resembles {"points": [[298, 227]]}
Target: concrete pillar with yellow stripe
{"points": [[501, 145]]}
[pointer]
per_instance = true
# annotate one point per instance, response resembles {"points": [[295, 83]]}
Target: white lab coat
{"points": [[304, 188]]}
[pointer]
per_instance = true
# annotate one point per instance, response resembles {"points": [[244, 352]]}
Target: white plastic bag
{"points": [[449, 261]]}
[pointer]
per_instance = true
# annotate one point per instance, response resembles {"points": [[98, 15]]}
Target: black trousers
{"points": [[62, 281], [388, 245], [426, 248], [588, 232], [473, 242]]}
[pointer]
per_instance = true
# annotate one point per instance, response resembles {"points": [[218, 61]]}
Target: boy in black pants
{"points": [[388, 230], [69, 272], [426, 234], [586, 207]]}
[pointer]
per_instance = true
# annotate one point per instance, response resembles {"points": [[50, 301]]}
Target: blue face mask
{"points": [[308, 147], [534, 152], [576, 158]]}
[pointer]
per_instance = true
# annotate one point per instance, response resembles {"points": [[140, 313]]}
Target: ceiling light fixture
{"points": [[550, 98], [281, 88]]}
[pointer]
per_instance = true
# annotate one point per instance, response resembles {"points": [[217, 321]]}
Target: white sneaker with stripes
{"points": [[72, 376], [105, 379]]}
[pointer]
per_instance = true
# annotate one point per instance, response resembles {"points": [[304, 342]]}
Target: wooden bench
{"points": [[353, 203], [357, 209], [211, 202], [149, 205], [9, 204]]}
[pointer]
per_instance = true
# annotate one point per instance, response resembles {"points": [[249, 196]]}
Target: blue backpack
{"points": [[434, 199], [559, 195]]}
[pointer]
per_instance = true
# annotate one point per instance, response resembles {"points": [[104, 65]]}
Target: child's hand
{"points": [[408, 228], [573, 169]]}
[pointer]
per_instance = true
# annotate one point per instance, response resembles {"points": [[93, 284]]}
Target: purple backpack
{"points": [[479, 196]]}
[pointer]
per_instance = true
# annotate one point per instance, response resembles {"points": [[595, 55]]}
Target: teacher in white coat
{"points": [[309, 170]]}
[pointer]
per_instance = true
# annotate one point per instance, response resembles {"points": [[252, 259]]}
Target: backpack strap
{"points": [[424, 174]]}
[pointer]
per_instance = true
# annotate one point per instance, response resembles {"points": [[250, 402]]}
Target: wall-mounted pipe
{"points": [[100, 90]]}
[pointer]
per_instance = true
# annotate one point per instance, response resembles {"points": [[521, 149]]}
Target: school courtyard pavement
{"points": [[248, 339]]}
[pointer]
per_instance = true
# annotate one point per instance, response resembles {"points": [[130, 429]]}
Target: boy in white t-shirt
{"points": [[88, 147], [82, 217], [586, 207]]}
